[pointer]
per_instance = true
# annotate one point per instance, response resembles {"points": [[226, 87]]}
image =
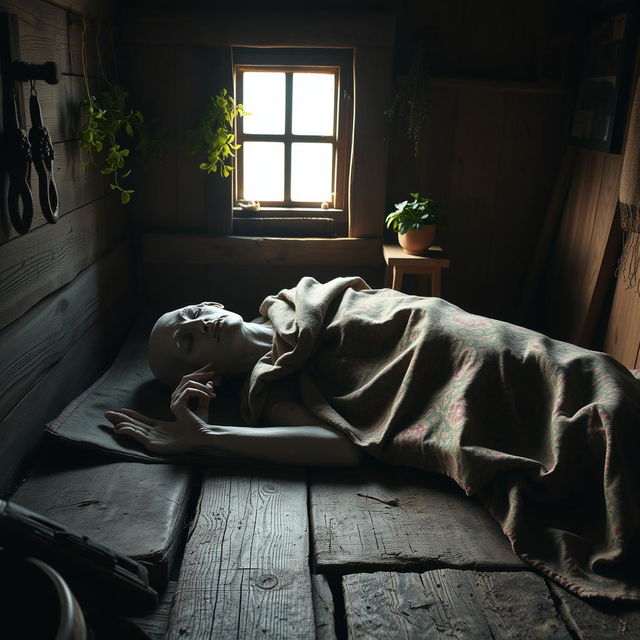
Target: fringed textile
{"points": [[629, 263]]}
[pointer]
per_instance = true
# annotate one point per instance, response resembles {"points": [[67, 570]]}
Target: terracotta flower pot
{"points": [[417, 241]]}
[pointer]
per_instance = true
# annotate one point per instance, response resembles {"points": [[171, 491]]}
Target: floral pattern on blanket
{"points": [[547, 434]]}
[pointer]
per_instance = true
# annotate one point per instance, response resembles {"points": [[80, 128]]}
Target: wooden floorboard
{"points": [[384, 517], [245, 572], [323, 608], [597, 622], [452, 604]]}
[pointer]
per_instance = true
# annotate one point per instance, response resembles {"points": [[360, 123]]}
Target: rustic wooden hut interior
{"points": [[533, 237]]}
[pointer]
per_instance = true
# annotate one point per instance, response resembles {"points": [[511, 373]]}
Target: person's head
{"points": [[186, 339]]}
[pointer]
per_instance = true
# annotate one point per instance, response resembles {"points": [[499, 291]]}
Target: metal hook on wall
{"points": [[20, 149]]}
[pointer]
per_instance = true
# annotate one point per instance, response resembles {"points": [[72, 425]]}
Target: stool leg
{"points": [[388, 277], [436, 282], [397, 279]]}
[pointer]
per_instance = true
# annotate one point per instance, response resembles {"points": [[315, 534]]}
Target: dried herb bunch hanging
{"points": [[411, 100], [112, 129]]}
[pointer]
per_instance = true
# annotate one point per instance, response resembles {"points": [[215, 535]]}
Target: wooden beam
{"points": [[260, 28], [477, 84], [437, 604], [371, 131], [245, 572], [376, 517], [38, 340], [34, 265], [212, 250]]}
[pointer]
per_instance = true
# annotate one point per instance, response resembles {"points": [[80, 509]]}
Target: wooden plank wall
{"points": [[64, 288], [491, 145], [490, 155], [585, 301]]}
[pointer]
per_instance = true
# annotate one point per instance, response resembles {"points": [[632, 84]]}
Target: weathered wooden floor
{"points": [[363, 554]]}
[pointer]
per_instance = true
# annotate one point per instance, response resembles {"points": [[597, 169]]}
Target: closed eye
{"points": [[197, 312], [184, 341]]}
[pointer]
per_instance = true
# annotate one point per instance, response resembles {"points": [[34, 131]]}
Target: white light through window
{"points": [[263, 171], [311, 171], [264, 99], [313, 104]]}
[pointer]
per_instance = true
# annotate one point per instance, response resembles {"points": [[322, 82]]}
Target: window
{"points": [[294, 146]]}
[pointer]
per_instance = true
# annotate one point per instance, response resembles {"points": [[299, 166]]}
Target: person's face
{"points": [[195, 335]]}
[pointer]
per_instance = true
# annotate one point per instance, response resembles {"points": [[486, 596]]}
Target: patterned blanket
{"points": [[547, 434]]}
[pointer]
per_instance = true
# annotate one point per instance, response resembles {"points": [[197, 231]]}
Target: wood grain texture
{"points": [[33, 344], [567, 270], [586, 248], [461, 605], [35, 265], [155, 625], [601, 622], [474, 181], [42, 31], [531, 146], [260, 28], [238, 286], [245, 570], [202, 249], [156, 202], [371, 132], [544, 243], [76, 188], [323, 609], [23, 427], [97, 500], [622, 338], [384, 517], [60, 106]]}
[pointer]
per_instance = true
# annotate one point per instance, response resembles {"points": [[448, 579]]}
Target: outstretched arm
{"points": [[298, 439]]}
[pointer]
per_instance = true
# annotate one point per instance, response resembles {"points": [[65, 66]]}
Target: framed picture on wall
{"points": [[603, 92]]}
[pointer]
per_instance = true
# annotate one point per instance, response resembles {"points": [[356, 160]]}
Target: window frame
{"points": [[289, 61]]}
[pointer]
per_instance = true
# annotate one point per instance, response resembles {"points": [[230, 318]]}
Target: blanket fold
{"points": [[547, 434]]}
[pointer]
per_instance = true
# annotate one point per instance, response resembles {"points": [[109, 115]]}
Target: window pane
{"points": [[313, 104], [263, 96], [263, 170], [311, 171]]}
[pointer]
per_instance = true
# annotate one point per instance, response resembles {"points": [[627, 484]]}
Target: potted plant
{"points": [[415, 221]]}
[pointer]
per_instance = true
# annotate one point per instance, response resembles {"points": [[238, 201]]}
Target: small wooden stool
{"points": [[399, 263]]}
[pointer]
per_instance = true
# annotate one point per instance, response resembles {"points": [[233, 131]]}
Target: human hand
{"points": [[184, 435], [198, 385], [187, 433]]}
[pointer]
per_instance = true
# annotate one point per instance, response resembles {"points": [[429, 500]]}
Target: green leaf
{"points": [[125, 197], [106, 171], [126, 174], [129, 129]]}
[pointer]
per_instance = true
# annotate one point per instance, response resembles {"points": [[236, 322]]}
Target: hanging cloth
{"points": [[629, 263]]}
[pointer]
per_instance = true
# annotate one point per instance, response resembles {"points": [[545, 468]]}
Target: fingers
{"points": [[126, 415], [207, 388], [144, 438]]}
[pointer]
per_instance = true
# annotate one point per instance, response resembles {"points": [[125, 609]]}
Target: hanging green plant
{"points": [[112, 129], [214, 135], [411, 100]]}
